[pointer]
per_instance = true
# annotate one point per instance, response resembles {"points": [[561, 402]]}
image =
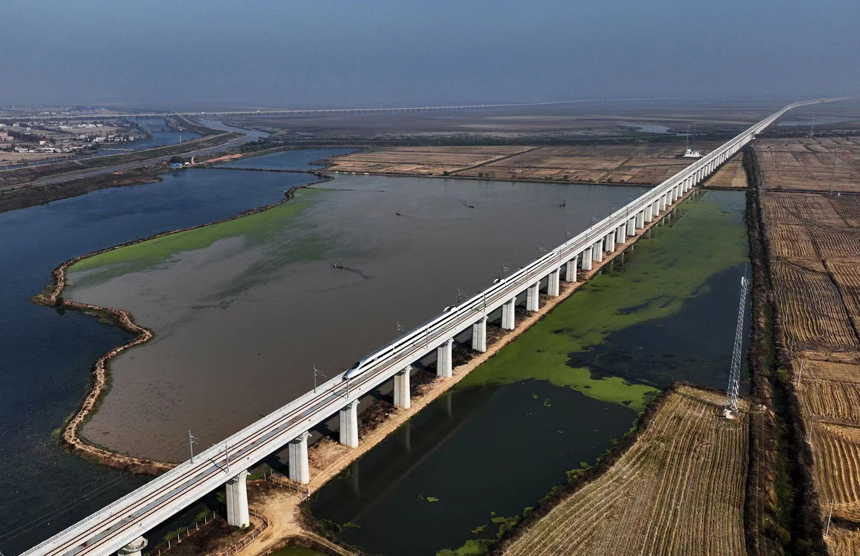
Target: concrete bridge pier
{"points": [[134, 548], [570, 270], [508, 314], [299, 466], [631, 226], [443, 359], [620, 235], [533, 297], [597, 251], [649, 214], [587, 258], [610, 242], [662, 203], [640, 220], [553, 287], [237, 501], [402, 397], [479, 335], [349, 425]]}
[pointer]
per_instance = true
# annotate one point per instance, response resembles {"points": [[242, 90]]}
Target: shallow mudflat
{"points": [[244, 310]]}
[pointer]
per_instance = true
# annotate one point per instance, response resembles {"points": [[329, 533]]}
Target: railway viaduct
{"points": [[120, 527]]}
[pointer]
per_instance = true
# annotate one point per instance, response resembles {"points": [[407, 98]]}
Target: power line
{"points": [[735, 372]]}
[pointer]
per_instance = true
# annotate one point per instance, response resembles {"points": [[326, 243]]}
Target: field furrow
{"points": [[678, 490]]}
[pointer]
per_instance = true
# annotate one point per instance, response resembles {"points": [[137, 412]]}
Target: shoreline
{"points": [[100, 377]]}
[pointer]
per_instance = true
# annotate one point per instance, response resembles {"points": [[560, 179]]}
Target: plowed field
{"points": [[843, 542], [678, 490], [837, 463], [811, 308], [731, 174], [810, 164], [637, 163]]}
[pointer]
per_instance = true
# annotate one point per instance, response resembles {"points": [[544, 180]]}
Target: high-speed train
{"points": [[448, 314]]}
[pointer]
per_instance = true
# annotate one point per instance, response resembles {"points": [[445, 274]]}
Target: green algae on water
{"points": [[255, 228], [661, 273]]}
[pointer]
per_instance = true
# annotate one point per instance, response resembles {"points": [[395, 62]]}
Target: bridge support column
{"points": [[402, 398], [610, 242], [553, 287], [479, 335], [587, 258], [134, 548], [620, 234], [570, 270], [443, 359], [640, 220], [663, 203], [631, 226], [299, 467], [349, 425], [237, 501], [597, 251], [533, 297], [508, 314], [649, 213]]}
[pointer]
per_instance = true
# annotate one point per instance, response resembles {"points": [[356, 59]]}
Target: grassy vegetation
{"points": [[654, 284], [255, 228]]}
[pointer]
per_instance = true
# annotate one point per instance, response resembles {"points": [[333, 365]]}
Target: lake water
{"points": [[243, 311], [557, 397], [46, 355], [287, 160]]}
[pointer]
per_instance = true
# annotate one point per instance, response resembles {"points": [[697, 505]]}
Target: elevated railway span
{"points": [[121, 526]]}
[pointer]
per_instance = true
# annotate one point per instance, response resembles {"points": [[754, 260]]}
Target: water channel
{"points": [[160, 136]]}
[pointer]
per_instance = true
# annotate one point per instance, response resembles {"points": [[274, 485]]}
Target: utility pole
{"points": [[833, 172], [316, 374], [227, 456], [735, 372], [191, 441], [829, 517], [800, 373]]}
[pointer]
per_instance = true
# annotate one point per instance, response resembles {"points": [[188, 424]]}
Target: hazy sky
{"points": [[400, 52]]}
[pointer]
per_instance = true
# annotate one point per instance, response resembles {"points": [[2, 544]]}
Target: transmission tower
{"points": [[735, 373]]}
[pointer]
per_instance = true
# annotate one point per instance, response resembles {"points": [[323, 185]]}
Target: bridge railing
{"points": [[512, 285]]}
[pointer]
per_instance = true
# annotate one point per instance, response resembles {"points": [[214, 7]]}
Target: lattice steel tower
{"points": [[735, 373]]}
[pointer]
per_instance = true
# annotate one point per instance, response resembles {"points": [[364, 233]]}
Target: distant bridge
{"points": [[121, 525], [320, 111]]}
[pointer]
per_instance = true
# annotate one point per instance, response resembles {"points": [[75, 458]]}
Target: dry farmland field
{"points": [[632, 163], [814, 241], [843, 541], [810, 164], [679, 489], [732, 174]]}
